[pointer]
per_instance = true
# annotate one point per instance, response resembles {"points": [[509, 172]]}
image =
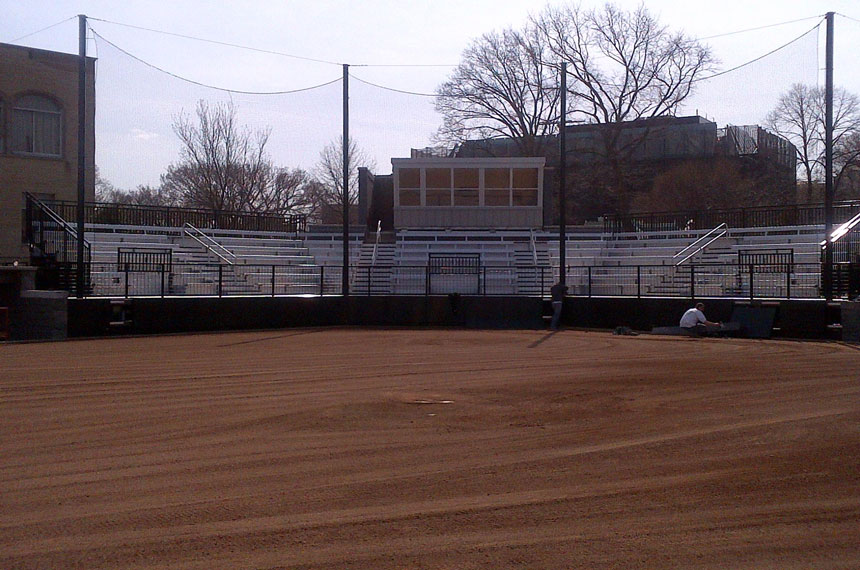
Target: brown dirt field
{"points": [[351, 448]]}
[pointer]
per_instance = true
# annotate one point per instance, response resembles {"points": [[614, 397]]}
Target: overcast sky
{"points": [[136, 104]]}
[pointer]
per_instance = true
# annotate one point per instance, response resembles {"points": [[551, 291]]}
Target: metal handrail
{"points": [[172, 216], [534, 246], [376, 243], [55, 217], [722, 227], [843, 229], [208, 246]]}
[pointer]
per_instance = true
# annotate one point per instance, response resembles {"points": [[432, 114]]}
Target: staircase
{"points": [[533, 269], [374, 272]]}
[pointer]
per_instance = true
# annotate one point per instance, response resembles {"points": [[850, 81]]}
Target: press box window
{"points": [[525, 178], [465, 178], [525, 197], [497, 178], [438, 178], [410, 197], [437, 197], [410, 186], [497, 197], [465, 197], [409, 177]]}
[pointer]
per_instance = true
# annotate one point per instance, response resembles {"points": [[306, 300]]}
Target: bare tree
{"points": [[329, 173], [503, 87], [846, 159], [223, 166], [143, 195], [623, 66], [799, 116], [105, 190], [288, 191]]}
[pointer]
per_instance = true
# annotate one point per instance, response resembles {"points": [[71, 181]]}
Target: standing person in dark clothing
{"points": [[557, 292]]}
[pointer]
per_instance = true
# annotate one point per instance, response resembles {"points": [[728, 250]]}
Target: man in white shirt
{"points": [[694, 321]]}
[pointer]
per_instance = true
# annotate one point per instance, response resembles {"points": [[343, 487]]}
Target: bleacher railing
{"points": [[756, 217], [54, 248], [165, 216], [748, 281]]}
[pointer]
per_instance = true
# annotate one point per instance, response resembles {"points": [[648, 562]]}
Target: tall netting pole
{"points": [[828, 162], [82, 155], [345, 147], [562, 179]]}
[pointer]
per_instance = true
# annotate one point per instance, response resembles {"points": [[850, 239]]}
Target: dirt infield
{"points": [[347, 448]]}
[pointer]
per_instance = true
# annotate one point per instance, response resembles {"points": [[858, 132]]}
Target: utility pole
{"points": [[82, 154], [345, 145], [828, 162], [562, 179]]}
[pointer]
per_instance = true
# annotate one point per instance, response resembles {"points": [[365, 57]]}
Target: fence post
{"points": [[693, 282], [638, 281], [752, 285], [322, 280], [220, 279], [788, 281], [369, 275], [162, 281], [126, 280], [484, 284], [273, 280], [589, 281]]}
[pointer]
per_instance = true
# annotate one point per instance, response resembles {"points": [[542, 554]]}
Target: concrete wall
{"points": [[39, 315], [33, 315], [93, 317], [25, 71]]}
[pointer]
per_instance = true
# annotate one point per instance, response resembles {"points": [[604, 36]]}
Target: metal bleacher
{"points": [[195, 270], [513, 262]]}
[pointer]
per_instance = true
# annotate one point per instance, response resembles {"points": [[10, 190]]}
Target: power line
{"points": [[97, 35], [404, 65], [847, 16], [219, 42], [392, 88], [761, 27], [42, 30], [761, 56]]}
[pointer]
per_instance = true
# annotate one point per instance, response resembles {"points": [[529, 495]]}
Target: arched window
{"points": [[36, 126]]}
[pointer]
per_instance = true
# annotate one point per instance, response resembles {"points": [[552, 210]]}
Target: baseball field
{"points": [[411, 448]]}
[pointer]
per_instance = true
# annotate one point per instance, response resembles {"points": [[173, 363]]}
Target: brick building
{"points": [[39, 135]]}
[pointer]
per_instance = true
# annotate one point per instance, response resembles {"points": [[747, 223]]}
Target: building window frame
{"points": [[496, 186], [41, 128]]}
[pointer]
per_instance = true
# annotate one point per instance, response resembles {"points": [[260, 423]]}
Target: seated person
{"points": [[694, 321]]}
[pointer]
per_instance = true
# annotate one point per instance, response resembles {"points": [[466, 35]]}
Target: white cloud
{"points": [[142, 135]]}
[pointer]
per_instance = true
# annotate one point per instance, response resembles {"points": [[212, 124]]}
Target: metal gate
{"points": [[454, 273]]}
